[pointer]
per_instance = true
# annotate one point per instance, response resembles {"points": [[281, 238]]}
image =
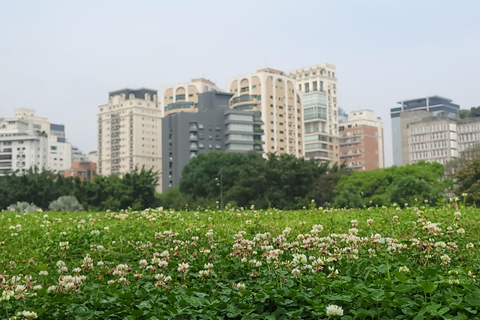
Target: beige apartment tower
{"points": [[361, 141], [184, 96], [320, 111], [274, 94], [129, 132]]}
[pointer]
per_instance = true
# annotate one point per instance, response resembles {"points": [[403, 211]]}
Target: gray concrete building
{"points": [[215, 127], [434, 106]]}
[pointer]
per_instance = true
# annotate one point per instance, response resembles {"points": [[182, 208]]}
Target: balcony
{"points": [[193, 138], [193, 128], [179, 105]]}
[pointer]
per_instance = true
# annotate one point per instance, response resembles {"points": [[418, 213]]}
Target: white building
{"points": [[21, 147], [275, 95], [129, 132], [320, 111]]}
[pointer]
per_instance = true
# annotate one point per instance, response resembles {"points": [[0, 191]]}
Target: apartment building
{"points": [[320, 111], [361, 141], [433, 105], [215, 127], [21, 147], [275, 95], [129, 132], [468, 134], [431, 138], [83, 169], [184, 96]]}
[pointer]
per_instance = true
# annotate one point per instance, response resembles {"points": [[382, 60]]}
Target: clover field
{"points": [[377, 263]]}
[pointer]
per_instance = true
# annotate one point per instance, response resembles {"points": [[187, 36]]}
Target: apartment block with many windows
{"points": [[215, 127], [275, 96], [320, 110], [129, 132], [431, 106], [361, 141]]}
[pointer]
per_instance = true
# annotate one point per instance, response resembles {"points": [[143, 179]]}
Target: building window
{"points": [[307, 87], [315, 86]]}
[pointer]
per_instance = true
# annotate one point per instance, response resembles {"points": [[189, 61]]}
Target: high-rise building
{"points": [[184, 96], [275, 96], [22, 147], [320, 111], [429, 138], [215, 127], [59, 150], [361, 141], [129, 132], [435, 105]]}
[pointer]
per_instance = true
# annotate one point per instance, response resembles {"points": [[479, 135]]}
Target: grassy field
{"points": [[380, 263]]}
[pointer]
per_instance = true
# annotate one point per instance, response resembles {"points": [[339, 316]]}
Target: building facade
{"points": [[215, 127], [361, 141], [184, 96], [21, 147], [434, 105], [276, 97], [84, 169], [320, 111], [129, 132], [431, 138]]}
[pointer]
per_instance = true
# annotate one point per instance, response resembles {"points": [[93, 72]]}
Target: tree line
{"points": [[135, 190], [286, 182], [249, 180]]}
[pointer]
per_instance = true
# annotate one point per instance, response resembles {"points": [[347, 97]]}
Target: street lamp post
{"points": [[220, 184]]}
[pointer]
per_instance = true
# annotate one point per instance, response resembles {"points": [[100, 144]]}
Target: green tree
{"points": [[468, 181]]}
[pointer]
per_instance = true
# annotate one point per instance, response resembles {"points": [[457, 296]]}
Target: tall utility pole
{"points": [[220, 184]]}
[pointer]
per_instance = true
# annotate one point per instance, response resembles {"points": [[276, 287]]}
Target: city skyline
{"points": [[62, 59]]}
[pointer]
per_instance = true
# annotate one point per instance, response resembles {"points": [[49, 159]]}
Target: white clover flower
{"points": [[445, 260], [37, 287], [6, 295], [64, 245], [51, 289], [461, 231], [20, 289], [258, 264], [203, 273], [240, 286], [369, 222], [470, 245], [295, 272], [143, 263], [403, 269], [299, 259], [454, 281], [43, 273], [334, 311], [457, 214], [353, 231], [208, 266], [183, 267], [27, 315]]}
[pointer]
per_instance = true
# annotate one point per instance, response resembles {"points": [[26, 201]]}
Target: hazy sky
{"points": [[63, 57]]}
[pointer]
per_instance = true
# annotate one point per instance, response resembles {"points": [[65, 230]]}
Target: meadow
{"points": [[377, 263]]}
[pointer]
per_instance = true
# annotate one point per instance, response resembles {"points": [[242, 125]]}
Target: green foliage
{"points": [[135, 190], [380, 263], [474, 112], [280, 181], [468, 182], [382, 187], [65, 203], [23, 206]]}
